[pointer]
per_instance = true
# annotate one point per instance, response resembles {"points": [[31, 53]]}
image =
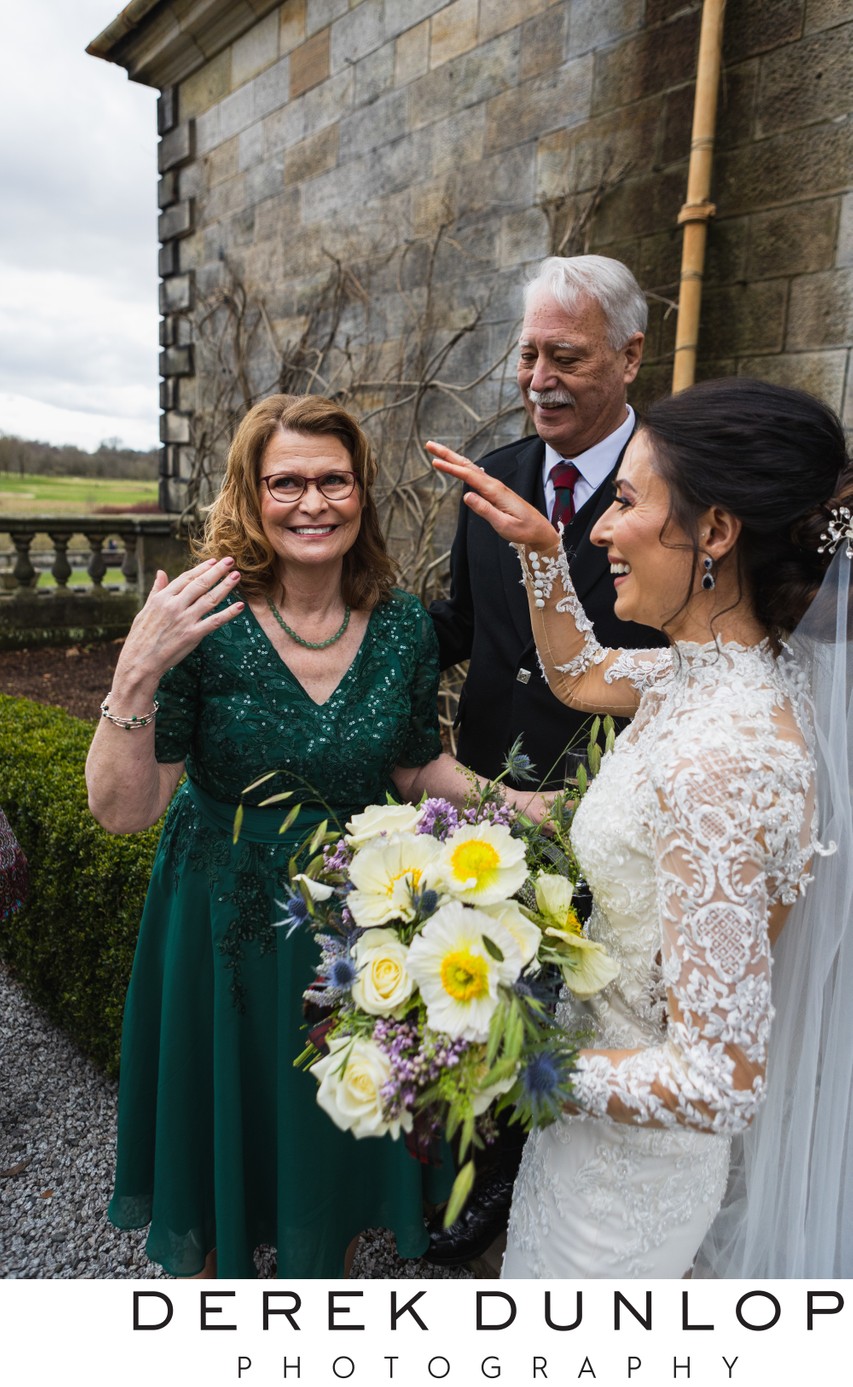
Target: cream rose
{"points": [[381, 818], [383, 983], [351, 1078]]}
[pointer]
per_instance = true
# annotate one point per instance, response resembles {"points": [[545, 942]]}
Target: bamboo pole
{"points": [[697, 208]]}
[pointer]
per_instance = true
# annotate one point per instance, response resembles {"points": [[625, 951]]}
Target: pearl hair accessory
{"points": [[840, 528]]}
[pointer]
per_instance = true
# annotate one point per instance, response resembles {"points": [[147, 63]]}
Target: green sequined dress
{"points": [[221, 1142]]}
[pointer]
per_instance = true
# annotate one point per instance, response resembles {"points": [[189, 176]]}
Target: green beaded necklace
{"points": [[309, 645]]}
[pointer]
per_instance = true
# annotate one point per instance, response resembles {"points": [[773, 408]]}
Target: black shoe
{"points": [[483, 1218]]}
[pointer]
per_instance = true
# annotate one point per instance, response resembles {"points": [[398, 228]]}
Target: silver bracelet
{"points": [[132, 723]]}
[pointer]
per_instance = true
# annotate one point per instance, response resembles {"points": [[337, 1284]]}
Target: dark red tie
{"points": [[564, 475]]}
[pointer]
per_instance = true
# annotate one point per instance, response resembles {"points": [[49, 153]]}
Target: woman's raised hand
{"points": [[507, 513], [178, 614]]}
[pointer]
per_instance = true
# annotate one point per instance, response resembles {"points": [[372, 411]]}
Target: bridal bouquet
{"points": [[436, 929]]}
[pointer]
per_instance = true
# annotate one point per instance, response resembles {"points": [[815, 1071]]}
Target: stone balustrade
{"points": [[120, 555]]}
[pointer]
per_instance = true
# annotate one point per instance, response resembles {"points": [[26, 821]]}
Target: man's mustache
{"points": [[550, 397]]}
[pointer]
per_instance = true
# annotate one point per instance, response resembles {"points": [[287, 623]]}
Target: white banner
{"points": [[418, 1333]]}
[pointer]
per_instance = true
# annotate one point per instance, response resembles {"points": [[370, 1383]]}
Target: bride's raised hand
{"points": [[177, 615], [507, 513]]}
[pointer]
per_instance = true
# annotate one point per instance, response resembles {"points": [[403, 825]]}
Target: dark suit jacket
{"points": [[485, 620]]}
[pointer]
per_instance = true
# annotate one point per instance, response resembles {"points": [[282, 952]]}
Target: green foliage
{"points": [[72, 944]]}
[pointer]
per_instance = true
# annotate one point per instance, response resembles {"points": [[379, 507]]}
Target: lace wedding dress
{"points": [[694, 837]]}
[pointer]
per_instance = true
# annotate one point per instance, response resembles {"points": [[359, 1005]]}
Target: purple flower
{"points": [[417, 1061], [337, 857], [438, 818], [490, 812]]}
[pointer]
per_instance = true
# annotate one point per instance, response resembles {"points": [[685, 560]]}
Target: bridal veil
{"points": [[788, 1210]]}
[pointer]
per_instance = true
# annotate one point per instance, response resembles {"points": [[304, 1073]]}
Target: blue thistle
{"points": [[545, 1083], [517, 765], [542, 988], [425, 903], [342, 975], [296, 912]]}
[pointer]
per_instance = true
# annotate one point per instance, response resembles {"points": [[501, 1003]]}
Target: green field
{"points": [[34, 496]]}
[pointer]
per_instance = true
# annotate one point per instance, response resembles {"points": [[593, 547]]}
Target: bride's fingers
{"points": [[513, 518], [446, 455], [500, 496], [512, 526], [509, 515]]}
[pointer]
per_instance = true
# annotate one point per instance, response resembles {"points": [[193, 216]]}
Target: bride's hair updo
{"points": [[773, 457]]}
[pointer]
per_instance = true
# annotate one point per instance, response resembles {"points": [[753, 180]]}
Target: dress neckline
{"points": [[703, 653], [724, 646], [280, 661]]}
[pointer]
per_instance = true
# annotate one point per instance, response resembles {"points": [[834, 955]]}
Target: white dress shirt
{"points": [[594, 465]]}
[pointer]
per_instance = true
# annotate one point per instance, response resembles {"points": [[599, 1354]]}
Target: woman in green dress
{"points": [[286, 647]]}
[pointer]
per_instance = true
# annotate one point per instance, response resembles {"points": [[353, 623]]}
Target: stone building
{"points": [[338, 177]]}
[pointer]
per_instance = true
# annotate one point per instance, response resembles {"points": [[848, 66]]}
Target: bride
{"points": [[695, 1123]]}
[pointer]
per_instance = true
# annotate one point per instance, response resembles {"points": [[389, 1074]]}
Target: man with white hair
{"points": [[580, 347]]}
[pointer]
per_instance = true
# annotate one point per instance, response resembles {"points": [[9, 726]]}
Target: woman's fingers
{"points": [[225, 615], [196, 592], [202, 577], [179, 612]]}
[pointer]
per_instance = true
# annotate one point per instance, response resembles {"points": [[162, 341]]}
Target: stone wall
{"points": [[327, 128]]}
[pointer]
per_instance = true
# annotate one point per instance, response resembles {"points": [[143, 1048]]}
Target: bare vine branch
{"points": [[402, 388]]}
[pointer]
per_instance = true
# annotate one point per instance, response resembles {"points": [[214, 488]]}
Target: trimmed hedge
{"points": [[72, 944]]}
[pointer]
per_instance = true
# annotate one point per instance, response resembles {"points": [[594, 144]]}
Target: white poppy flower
{"points": [[482, 863], [386, 873], [586, 966], [525, 932], [484, 1097], [554, 900], [458, 974]]}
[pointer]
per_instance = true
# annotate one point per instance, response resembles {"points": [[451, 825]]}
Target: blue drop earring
{"points": [[708, 580]]}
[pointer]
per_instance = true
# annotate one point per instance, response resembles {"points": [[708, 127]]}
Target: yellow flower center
{"points": [[413, 873], [465, 976], [572, 923], [475, 859]]}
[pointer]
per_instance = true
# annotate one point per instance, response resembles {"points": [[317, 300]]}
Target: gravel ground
{"points": [[57, 1137]]}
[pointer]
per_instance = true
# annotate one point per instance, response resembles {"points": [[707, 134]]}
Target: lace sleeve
{"points": [[579, 671], [711, 866]]}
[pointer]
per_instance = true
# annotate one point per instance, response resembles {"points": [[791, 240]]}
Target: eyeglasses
{"points": [[289, 487]]}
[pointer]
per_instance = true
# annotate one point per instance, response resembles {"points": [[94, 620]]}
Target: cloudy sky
{"points": [[78, 233]]}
